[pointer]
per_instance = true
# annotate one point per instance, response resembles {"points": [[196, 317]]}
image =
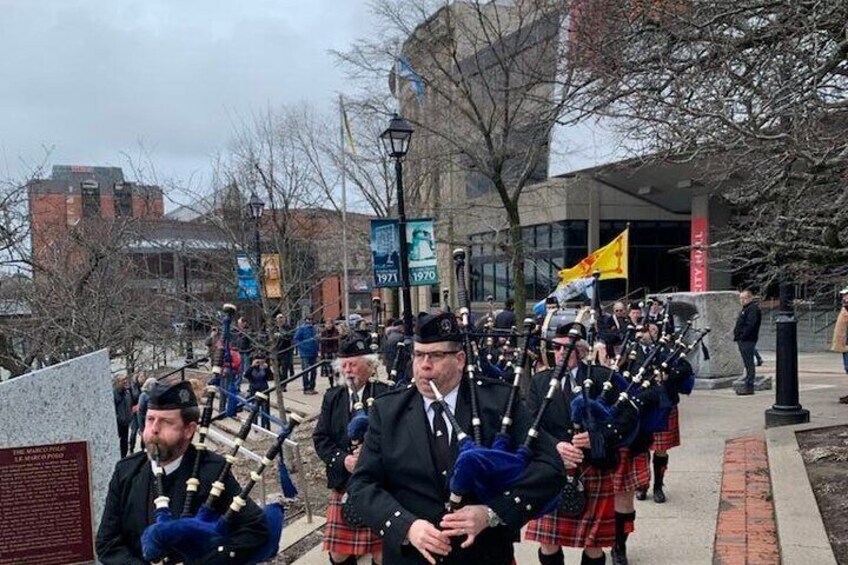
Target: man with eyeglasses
{"points": [[401, 482], [595, 528]]}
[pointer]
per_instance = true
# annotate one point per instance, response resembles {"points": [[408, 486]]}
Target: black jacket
{"points": [[396, 481], [748, 323], [129, 509], [330, 435]]}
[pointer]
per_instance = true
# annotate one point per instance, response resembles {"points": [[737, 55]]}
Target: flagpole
{"points": [[627, 280], [345, 281]]}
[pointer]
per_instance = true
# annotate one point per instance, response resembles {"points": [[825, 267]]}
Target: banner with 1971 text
{"points": [[421, 252]]}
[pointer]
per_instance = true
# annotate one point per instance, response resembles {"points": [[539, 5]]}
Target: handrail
{"points": [[643, 290]]}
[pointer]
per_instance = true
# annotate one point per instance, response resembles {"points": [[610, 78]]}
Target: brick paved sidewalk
{"points": [[746, 531]]}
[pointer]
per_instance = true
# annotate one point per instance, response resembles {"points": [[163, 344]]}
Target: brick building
{"points": [[74, 192]]}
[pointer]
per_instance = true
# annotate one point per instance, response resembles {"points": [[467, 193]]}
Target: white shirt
{"points": [[170, 467], [450, 399]]}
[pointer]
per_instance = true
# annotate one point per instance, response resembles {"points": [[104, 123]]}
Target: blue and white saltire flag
{"points": [[567, 291], [406, 72]]}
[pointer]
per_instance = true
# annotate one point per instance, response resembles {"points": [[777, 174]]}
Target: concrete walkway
{"points": [[683, 529]]}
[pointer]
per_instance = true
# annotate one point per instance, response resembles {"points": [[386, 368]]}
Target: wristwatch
{"points": [[494, 519]]}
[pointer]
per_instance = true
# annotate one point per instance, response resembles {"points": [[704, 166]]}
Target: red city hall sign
{"points": [[698, 259]]}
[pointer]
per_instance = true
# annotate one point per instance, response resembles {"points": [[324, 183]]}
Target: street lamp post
{"points": [[396, 143], [787, 409], [257, 206]]}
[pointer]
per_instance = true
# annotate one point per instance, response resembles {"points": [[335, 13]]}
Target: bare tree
{"points": [[754, 93], [483, 90]]}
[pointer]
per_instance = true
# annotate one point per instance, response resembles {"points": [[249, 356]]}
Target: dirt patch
{"points": [[825, 454]]}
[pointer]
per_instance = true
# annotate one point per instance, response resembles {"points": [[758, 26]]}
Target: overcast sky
{"points": [[93, 80]]}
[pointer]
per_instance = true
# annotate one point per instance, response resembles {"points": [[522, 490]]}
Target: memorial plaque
{"points": [[45, 505]]}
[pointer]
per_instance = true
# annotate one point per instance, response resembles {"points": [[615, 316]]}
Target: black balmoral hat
{"points": [[354, 346], [433, 328], [174, 397]]}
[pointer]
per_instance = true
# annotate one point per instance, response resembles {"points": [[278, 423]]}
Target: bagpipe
{"points": [[173, 539]]}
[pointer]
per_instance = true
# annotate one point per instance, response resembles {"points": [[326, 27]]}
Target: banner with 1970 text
{"points": [[421, 252]]}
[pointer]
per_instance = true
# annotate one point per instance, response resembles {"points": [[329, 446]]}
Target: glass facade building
{"points": [[551, 247]]}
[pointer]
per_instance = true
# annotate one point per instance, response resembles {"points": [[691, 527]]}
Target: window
{"points": [[90, 199], [123, 201]]}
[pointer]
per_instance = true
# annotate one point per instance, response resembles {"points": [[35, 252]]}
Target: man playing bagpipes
{"points": [[400, 485], [594, 528], [172, 419], [341, 405]]}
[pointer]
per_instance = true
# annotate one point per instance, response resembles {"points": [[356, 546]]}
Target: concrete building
{"points": [[500, 59]]}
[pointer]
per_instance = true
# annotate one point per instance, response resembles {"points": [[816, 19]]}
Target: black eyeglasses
{"points": [[559, 346], [434, 356]]}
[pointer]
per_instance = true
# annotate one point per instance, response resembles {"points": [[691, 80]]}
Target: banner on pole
{"points": [[272, 280], [423, 269], [385, 253], [248, 287]]}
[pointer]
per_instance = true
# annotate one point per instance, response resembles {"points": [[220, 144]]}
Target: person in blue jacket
{"points": [[306, 341]]}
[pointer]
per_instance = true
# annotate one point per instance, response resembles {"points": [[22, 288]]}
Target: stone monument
{"points": [[717, 310], [58, 447]]}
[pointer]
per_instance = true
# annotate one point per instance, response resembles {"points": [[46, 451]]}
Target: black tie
{"points": [[354, 400], [441, 447]]}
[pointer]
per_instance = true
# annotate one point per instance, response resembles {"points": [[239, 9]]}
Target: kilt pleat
{"points": [[633, 472], [594, 528], [339, 537], [663, 441]]}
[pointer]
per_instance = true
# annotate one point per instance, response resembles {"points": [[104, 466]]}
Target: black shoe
{"points": [[641, 495], [759, 362], [619, 555], [659, 495], [747, 391], [843, 399]]}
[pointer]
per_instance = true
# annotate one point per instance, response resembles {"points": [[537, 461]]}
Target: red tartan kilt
{"points": [[594, 528], [663, 441], [633, 472], [339, 537]]}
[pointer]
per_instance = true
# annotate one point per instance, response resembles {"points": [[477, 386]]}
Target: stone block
{"points": [[68, 402], [717, 310]]}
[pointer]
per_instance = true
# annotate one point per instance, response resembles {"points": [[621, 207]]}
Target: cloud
{"points": [[97, 78]]}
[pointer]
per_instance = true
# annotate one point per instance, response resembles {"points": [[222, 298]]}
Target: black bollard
{"points": [[787, 409]]}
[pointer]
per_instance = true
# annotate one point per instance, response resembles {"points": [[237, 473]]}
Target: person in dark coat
{"points": [[283, 349], [613, 329], [594, 529], [123, 411], [257, 377], [172, 418], [746, 333], [358, 366], [329, 349], [400, 484]]}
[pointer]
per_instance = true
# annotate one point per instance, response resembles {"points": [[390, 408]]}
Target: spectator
{"points": [[329, 349], [135, 394], [123, 410], [840, 335], [634, 312], [306, 341], [394, 335], [613, 327], [257, 377], [244, 343], [746, 334], [283, 349], [505, 319], [212, 345], [143, 399]]}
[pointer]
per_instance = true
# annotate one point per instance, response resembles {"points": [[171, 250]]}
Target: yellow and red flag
{"points": [[610, 260]]}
